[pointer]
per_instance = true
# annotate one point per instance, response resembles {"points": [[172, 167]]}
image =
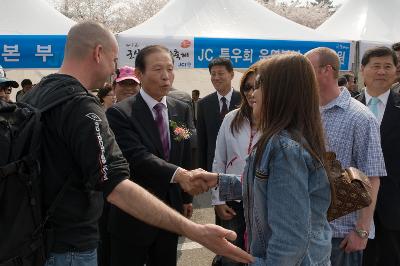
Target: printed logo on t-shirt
{"points": [[94, 117], [102, 155]]}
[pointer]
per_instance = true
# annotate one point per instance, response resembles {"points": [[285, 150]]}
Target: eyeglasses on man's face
{"points": [[325, 66]]}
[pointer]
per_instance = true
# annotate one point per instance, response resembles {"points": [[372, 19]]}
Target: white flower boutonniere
{"points": [[180, 132]]}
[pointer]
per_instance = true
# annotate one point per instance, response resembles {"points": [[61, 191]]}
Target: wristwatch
{"points": [[361, 233]]}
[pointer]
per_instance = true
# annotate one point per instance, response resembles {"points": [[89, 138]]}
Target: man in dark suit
{"points": [[213, 108], [396, 85], [144, 127], [378, 68], [194, 103], [210, 113]]}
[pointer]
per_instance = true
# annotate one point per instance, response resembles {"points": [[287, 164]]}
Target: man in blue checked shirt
{"points": [[352, 132]]}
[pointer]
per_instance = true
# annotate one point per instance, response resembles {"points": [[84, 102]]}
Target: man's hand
{"points": [[211, 179], [188, 210], [352, 242], [193, 187], [224, 212], [215, 238], [139, 203]]}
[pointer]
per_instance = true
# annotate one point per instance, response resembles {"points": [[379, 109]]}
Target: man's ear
{"points": [[232, 74], [362, 70], [138, 74], [97, 53]]}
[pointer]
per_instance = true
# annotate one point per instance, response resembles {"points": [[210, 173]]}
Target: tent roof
{"points": [[222, 19], [34, 17], [369, 20]]}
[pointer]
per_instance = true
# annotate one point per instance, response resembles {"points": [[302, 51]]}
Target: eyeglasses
{"points": [[248, 87], [327, 66]]}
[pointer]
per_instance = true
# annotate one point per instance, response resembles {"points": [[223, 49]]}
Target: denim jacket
{"points": [[286, 198]]}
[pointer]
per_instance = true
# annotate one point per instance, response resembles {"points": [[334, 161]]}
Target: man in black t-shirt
{"points": [[78, 143]]}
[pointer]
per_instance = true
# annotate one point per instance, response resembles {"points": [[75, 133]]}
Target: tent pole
{"points": [[356, 65]]}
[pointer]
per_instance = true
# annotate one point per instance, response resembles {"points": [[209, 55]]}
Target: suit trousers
{"points": [[384, 250], [162, 252]]}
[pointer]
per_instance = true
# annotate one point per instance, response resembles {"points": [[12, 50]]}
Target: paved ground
{"points": [[191, 253]]}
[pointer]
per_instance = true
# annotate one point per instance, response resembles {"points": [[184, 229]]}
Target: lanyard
{"points": [[252, 134]]}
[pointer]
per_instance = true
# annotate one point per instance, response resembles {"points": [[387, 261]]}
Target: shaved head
{"points": [[84, 37], [327, 56]]}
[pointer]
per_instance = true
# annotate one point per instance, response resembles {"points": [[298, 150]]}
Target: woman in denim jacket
{"points": [[286, 192]]}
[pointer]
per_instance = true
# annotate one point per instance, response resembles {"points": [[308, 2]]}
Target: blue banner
{"points": [[32, 51], [245, 52]]}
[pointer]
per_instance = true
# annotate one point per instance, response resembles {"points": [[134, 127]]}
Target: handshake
{"points": [[196, 181]]}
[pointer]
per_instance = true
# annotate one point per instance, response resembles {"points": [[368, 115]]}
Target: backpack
{"points": [[24, 235]]}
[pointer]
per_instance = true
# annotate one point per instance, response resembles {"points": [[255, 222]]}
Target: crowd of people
{"points": [[139, 150]]}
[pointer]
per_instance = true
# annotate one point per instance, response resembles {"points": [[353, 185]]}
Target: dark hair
{"points": [[197, 92], [103, 92], [396, 46], [380, 51], [140, 61], [342, 81], [290, 101], [220, 61], [26, 82], [347, 76], [245, 110]]}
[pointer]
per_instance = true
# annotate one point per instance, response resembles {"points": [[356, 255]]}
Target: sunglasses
{"points": [[248, 87]]}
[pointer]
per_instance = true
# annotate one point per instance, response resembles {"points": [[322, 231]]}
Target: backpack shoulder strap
{"points": [[74, 93], [62, 100], [57, 200]]}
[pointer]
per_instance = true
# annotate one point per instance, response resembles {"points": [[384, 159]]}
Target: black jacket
{"points": [[77, 142], [138, 137], [387, 206], [208, 124]]}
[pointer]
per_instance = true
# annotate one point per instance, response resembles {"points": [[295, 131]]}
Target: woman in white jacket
{"points": [[236, 138]]}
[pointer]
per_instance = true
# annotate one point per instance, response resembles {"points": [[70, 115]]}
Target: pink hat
{"points": [[127, 72]]}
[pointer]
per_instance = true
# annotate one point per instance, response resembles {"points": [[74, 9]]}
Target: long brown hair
{"points": [[245, 111], [290, 101]]}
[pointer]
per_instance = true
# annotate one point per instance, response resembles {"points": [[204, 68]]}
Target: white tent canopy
{"points": [[365, 20], [186, 21], [32, 17], [29, 18], [369, 22], [222, 18]]}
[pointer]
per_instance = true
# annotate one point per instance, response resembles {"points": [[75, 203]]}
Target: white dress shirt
{"points": [[383, 98], [231, 150], [228, 98], [151, 102]]}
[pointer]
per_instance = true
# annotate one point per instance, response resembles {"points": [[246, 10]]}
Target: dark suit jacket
{"points": [[138, 137], [208, 124], [388, 203]]}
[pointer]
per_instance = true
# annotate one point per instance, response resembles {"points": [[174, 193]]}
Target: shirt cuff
{"points": [[215, 197], [173, 176]]}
